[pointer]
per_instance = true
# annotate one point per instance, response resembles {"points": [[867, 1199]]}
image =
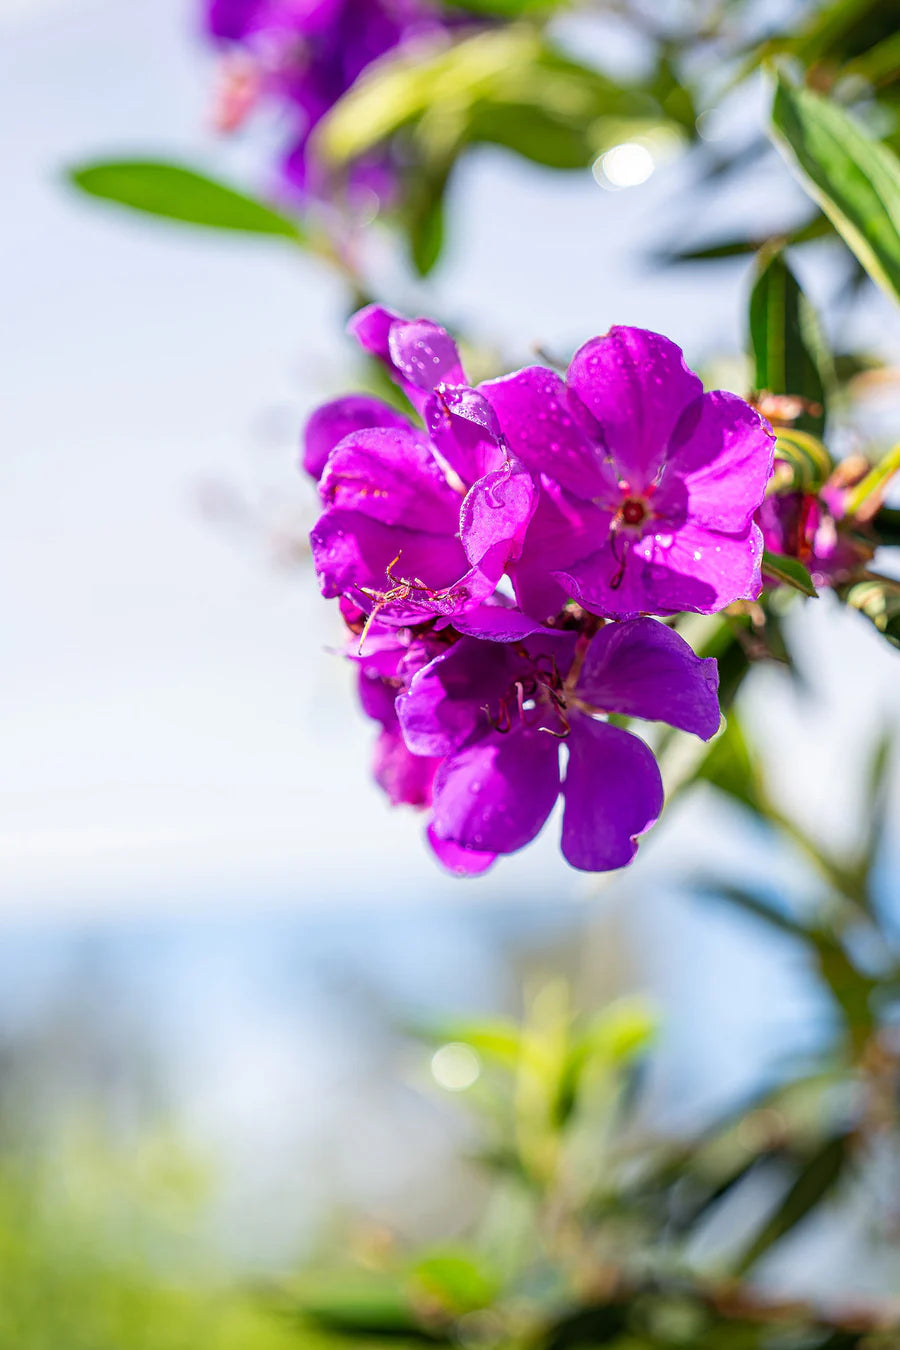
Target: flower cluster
{"points": [[497, 566], [302, 56]]}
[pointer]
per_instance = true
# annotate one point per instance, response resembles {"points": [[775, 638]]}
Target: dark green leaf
{"points": [[855, 180], [730, 766], [177, 193], [886, 524], [356, 1302], [819, 227], [789, 572], [815, 1180], [424, 217], [788, 348]]}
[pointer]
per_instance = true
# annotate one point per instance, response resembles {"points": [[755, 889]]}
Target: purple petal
{"points": [[494, 518], [636, 384], [562, 531], [665, 573], [544, 428], [464, 428], [407, 779], [462, 862], [390, 474], [417, 353], [328, 425], [644, 669], [495, 794], [495, 621], [424, 354], [371, 326], [613, 793], [721, 455], [351, 552], [444, 703]]}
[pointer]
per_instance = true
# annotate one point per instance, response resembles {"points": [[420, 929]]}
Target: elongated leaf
{"points": [[790, 572], [787, 343], [177, 193], [854, 179], [819, 227], [815, 1180]]}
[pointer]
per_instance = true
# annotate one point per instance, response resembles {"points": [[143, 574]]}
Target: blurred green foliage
{"points": [[98, 1251]]}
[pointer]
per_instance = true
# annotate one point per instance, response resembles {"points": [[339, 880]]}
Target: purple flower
{"points": [[418, 524], [497, 715], [391, 657], [814, 527], [304, 55], [648, 485]]}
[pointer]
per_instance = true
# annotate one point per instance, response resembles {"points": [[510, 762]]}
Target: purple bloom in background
{"points": [[496, 715], [648, 485], [418, 524], [814, 528], [305, 54]]}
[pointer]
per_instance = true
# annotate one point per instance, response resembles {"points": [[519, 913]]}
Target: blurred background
{"points": [[217, 941]]}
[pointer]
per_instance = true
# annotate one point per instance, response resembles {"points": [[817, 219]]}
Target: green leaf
{"points": [[815, 1180], [789, 572], [497, 1041], [456, 1278], [355, 1302], [855, 180], [886, 524], [177, 193], [507, 85], [807, 456], [787, 343], [819, 227], [864, 500], [879, 600], [424, 218], [730, 766]]}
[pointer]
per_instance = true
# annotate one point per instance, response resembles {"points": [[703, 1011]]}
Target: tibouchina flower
{"points": [[304, 54], [648, 485], [497, 716], [418, 524]]}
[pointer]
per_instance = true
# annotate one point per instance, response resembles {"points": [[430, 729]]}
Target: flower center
{"points": [[633, 511]]}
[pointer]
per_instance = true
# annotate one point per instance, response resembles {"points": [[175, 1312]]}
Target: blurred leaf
{"points": [[880, 64], [886, 524], [424, 216], [790, 572], [457, 1279], [879, 602], [807, 456], [729, 766], [865, 499], [507, 85], [816, 1179], [819, 227], [786, 340], [176, 193], [611, 1042], [854, 179], [497, 1041], [356, 1303], [752, 903]]}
